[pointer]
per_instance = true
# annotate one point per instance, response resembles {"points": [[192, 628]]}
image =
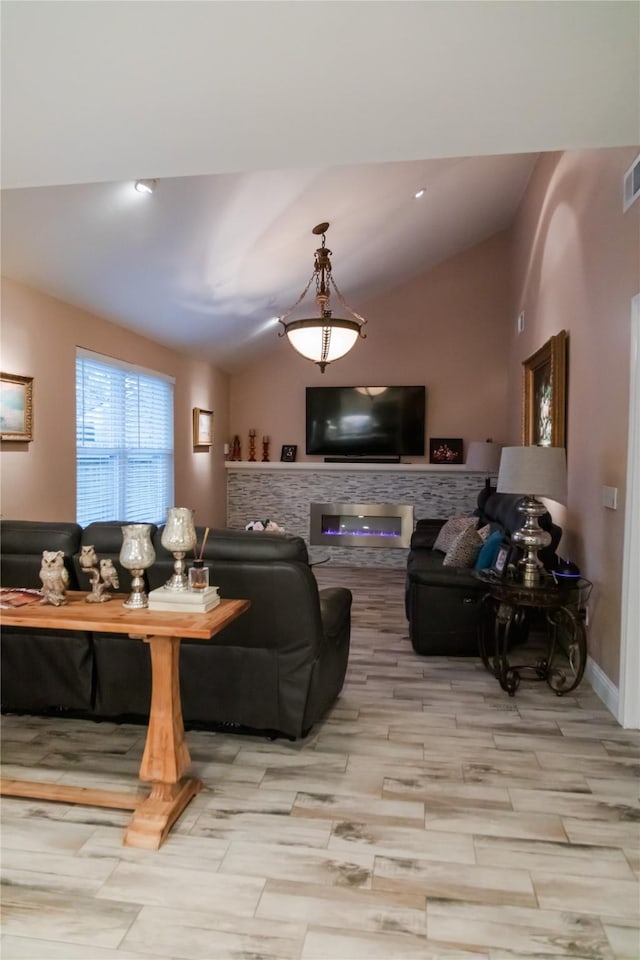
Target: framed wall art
{"points": [[202, 427], [445, 450], [544, 400], [16, 408], [288, 452]]}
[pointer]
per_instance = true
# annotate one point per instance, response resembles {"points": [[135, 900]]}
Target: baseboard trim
{"points": [[603, 687]]}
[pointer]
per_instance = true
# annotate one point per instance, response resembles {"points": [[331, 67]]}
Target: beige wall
{"points": [[576, 266], [448, 329], [39, 339]]}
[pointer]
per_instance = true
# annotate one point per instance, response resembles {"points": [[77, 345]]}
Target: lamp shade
{"points": [[483, 456], [534, 471], [322, 340]]}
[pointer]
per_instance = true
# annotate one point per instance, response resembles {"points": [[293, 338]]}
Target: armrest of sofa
{"points": [[335, 611], [439, 576]]}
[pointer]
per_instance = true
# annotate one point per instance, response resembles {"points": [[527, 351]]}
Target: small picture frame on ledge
{"points": [[202, 427], [288, 453], [499, 567]]}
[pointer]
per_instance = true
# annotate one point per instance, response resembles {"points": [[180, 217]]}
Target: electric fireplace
{"points": [[361, 524]]}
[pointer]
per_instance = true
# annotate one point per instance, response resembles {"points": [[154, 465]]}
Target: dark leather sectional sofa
{"points": [[443, 603], [276, 669]]}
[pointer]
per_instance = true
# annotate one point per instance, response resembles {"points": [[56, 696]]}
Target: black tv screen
{"points": [[365, 421]]}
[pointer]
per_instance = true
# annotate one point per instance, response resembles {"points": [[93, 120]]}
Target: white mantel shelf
{"points": [[351, 467]]}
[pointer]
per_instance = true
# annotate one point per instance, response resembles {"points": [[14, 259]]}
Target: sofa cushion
{"points": [[450, 531], [426, 532], [464, 549], [489, 550]]}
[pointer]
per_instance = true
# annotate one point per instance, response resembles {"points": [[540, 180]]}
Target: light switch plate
{"points": [[610, 497]]}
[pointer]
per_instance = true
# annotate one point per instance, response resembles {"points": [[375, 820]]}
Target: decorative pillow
{"points": [[450, 531], [489, 551], [485, 532], [464, 549]]}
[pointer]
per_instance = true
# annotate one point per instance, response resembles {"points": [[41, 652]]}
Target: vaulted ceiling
{"points": [[261, 119]]}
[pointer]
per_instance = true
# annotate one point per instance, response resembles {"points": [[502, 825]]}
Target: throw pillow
{"points": [[485, 532], [464, 549], [450, 531], [489, 551]]}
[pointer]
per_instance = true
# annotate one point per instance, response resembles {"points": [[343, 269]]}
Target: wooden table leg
{"points": [[166, 755]]}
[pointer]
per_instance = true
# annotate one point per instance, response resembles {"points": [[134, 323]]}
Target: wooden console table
{"points": [[166, 756]]}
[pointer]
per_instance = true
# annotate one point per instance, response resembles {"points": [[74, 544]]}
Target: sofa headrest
{"points": [[245, 545], [106, 535], [28, 537], [502, 508]]}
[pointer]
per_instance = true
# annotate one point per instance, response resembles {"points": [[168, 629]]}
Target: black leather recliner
{"points": [[443, 603]]}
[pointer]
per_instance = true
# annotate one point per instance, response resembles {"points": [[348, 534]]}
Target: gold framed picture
{"points": [[544, 394], [202, 427], [16, 408]]}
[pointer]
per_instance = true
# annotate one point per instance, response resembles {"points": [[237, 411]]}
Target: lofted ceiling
{"points": [[261, 119]]}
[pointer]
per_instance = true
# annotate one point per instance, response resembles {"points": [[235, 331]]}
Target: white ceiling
{"points": [[262, 119]]}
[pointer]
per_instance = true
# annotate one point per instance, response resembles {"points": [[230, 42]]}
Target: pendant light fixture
{"points": [[324, 338]]}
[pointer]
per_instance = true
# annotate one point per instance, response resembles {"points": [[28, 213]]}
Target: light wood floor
{"points": [[428, 816]]}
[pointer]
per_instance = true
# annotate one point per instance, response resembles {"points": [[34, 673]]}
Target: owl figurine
{"points": [[109, 574], [102, 573], [54, 577]]}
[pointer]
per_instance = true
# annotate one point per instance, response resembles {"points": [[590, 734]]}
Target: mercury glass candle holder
{"points": [[136, 555], [178, 537]]}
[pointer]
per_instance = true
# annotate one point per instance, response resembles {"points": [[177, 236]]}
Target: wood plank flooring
{"points": [[428, 816]]}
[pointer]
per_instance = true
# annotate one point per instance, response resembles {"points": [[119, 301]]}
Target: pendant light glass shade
{"points": [[323, 342], [324, 338]]}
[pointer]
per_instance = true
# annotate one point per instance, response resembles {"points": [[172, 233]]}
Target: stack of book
{"points": [[184, 601]]}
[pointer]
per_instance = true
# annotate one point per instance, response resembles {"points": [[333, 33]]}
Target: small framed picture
{"points": [[500, 563], [16, 408], [202, 427], [288, 452], [445, 450]]}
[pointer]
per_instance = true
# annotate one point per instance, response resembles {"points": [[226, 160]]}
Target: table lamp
{"points": [[137, 554], [533, 472], [484, 456], [178, 537]]}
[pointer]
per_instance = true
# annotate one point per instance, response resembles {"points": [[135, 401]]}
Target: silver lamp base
{"points": [[178, 580], [137, 599], [531, 538]]}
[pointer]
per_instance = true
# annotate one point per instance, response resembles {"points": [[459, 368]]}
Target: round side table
{"points": [[507, 607]]}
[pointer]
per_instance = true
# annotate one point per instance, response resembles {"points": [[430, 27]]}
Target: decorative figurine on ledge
{"points": [[101, 579], [265, 449], [252, 446], [236, 449], [54, 577]]}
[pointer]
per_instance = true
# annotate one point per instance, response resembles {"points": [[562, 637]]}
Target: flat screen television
{"points": [[365, 421]]}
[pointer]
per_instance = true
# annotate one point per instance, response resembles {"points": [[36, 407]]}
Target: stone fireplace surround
{"points": [[284, 492]]}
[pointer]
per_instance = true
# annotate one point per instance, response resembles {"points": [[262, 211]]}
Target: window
{"points": [[124, 441]]}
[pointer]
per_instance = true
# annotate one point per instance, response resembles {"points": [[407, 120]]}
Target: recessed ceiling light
{"points": [[146, 186], [419, 193]]}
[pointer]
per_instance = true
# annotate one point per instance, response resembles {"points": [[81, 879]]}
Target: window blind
{"points": [[124, 441]]}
